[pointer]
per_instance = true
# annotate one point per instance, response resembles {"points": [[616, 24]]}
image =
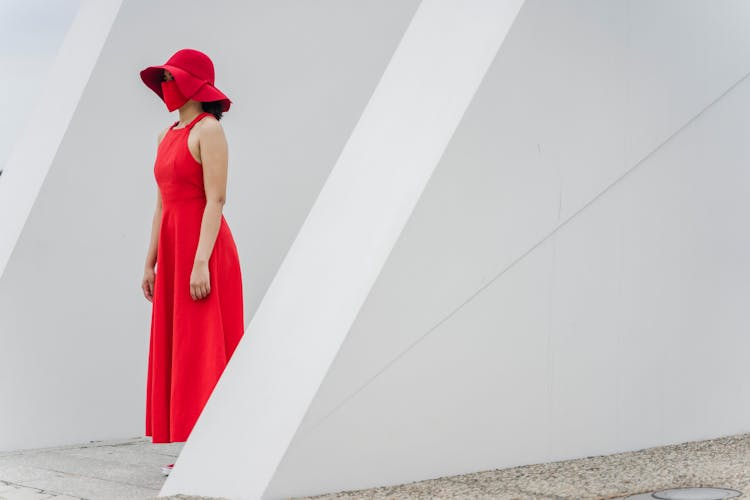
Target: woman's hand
{"points": [[148, 283], [200, 285]]}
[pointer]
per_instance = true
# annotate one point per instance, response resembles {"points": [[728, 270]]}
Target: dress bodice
{"points": [[178, 175]]}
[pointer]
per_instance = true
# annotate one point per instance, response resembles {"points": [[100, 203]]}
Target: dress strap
{"points": [[196, 119]]}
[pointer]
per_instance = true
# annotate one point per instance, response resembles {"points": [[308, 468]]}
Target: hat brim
{"points": [[191, 86]]}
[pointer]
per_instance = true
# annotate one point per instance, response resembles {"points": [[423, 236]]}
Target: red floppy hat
{"points": [[193, 73]]}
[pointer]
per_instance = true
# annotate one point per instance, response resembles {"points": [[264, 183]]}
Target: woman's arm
{"points": [[214, 158], [147, 284]]}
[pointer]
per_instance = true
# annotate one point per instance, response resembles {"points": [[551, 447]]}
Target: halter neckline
{"points": [[192, 122]]}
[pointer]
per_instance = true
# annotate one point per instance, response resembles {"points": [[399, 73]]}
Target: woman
{"points": [[192, 272]]}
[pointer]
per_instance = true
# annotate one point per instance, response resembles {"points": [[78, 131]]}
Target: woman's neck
{"points": [[190, 111]]}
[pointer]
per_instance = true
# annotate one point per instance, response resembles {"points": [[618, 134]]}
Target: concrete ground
{"points": [[129, 469], [100, 470]]}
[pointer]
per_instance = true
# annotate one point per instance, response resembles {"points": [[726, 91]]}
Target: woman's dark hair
{"points": [[213, 107]]}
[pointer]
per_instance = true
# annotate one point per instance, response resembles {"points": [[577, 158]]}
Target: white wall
{"points": [[35, 29], [73, 322], [37, 135], [491, 339], [247, 424], [537, 305]]}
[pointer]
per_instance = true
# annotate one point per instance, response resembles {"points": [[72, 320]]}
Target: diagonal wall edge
{"points": [[35, 150], [327, 274]]}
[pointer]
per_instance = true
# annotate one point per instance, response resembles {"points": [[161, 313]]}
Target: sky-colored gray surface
{"points": [[31, 32]]}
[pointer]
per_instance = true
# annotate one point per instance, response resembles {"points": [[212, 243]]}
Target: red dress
{"points": [[191, 340]]}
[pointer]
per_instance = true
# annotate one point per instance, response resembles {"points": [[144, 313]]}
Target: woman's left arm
{"points": [[214, 158]]}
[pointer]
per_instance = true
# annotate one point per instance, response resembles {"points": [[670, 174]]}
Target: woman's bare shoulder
{"points": [[209, 122]]}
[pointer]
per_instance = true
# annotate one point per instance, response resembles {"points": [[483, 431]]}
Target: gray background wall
{"points": [[572, 282], [491, 339], [74, 324]]}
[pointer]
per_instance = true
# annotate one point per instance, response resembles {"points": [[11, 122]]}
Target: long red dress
{"points": [[191, 340]]}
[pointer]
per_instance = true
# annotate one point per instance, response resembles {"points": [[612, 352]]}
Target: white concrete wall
{"points": [[35, 30], [73, 322], [255, 409], [574, 280], [37, 135]]}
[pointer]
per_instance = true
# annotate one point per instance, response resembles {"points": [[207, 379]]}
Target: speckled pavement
{"points": [[130, 469], [723, 463]]}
